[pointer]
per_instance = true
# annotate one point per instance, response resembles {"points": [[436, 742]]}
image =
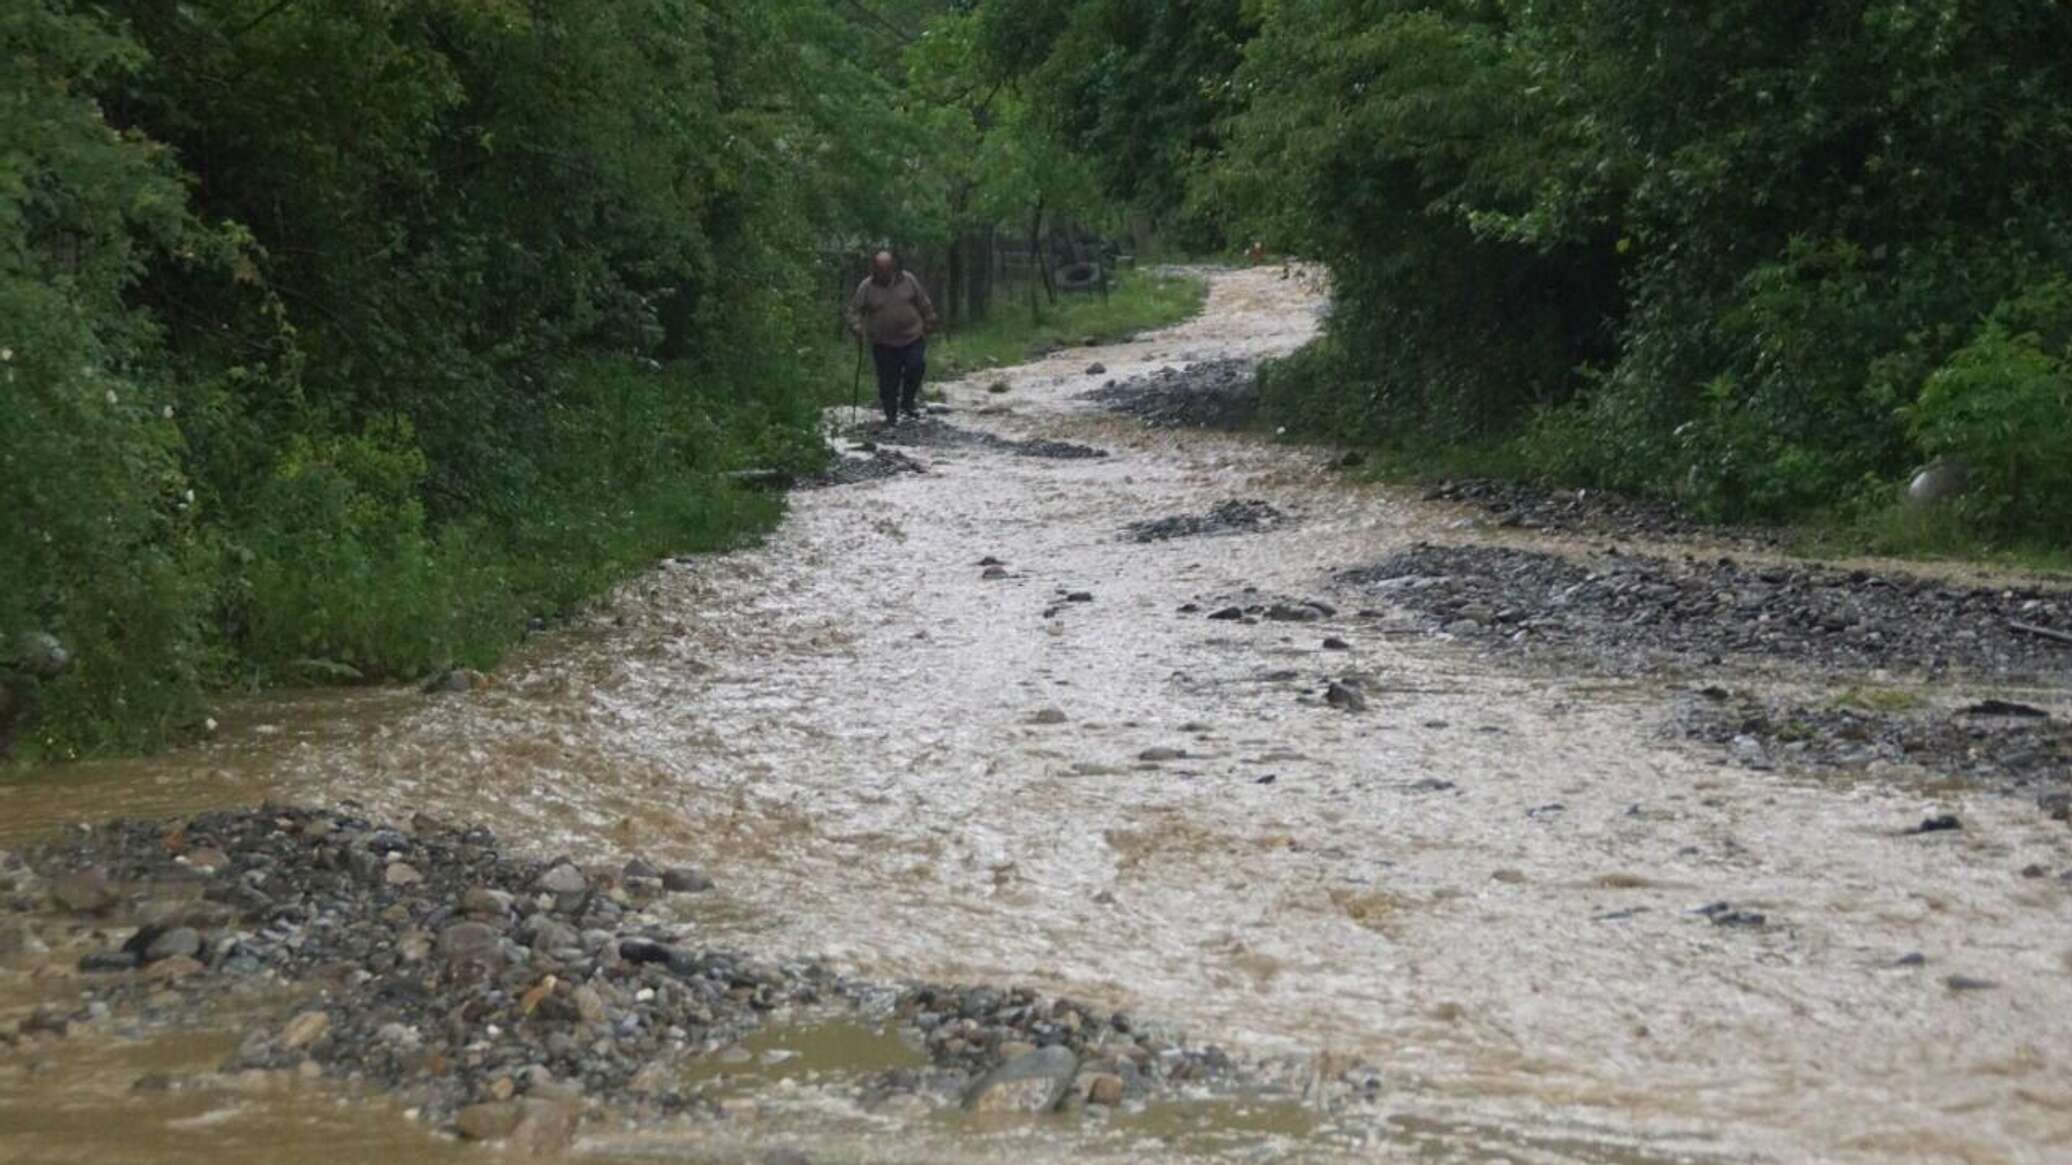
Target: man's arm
{"points": [[853, 313], [928, 317]]}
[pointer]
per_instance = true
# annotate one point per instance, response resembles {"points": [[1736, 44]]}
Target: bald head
{"points": [[884, 266]]}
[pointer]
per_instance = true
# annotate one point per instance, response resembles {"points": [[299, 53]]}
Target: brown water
{"points": [[840, 727]]}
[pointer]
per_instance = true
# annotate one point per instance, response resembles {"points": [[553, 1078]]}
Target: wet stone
{"points": [[562, 879], [528, 1127], [1345, 696], [175, 943], [635, 950], [550, 934], [685, 880], [1293, 613], [103, 962], [83, 891], [1033, 1082], [472, 950], [304, 1030], [485, 904]]}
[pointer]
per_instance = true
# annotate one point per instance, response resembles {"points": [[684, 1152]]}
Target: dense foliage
{"points": [[343, 339], [1765, 255]]}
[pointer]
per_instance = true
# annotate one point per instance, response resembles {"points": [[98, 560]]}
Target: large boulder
{"points": [[1032, 1082], [1938, 483], [41, 655], [527, 1127]]}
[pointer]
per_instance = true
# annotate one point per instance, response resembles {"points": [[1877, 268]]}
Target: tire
{"points": [[1079, 277]]}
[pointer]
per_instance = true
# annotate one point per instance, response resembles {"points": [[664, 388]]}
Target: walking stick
{"points": [[856, 388]]}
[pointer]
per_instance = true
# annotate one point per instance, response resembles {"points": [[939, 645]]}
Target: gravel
{"points": [[1232, 517], [1519, 506], [493, 994], [1634, 612], [928, 432], [854, 469], [2017, 753], [1219, 394]]}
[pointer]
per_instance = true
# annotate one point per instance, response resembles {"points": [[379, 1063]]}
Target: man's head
{"points": [[884, 266]]}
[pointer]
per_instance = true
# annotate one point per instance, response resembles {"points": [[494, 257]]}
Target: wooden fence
{"points": [[977, 274]]}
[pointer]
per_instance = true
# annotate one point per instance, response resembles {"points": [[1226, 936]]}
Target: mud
{"points": [[1638, 613], [1217, 394]]}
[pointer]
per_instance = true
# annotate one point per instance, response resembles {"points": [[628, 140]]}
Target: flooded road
{"points": [[1489, 886]]}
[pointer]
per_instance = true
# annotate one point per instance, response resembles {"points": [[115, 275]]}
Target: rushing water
{"points": [[841, 726]]}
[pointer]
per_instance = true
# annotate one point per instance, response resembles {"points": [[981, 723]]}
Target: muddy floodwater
{"points": [[1555, 930]]}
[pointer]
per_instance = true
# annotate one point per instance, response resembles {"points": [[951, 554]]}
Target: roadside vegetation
{"points": [[1766, 259], [342, 342]]}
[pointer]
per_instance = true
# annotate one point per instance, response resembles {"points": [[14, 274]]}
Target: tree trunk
{"points": [[1042, 257], [1036, 258]]}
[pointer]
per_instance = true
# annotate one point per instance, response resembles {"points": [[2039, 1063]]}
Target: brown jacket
{"points": [[893, 315]]}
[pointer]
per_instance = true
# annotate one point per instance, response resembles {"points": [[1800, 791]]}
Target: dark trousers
{"points": [[899, 376]]}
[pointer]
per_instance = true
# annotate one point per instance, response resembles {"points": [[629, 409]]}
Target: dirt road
{"points": [[1554, 930]]}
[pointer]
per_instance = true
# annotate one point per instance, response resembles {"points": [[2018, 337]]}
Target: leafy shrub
{"points": [[2002, 405]]}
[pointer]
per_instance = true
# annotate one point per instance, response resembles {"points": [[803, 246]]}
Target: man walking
{"points": [[891, 311]]}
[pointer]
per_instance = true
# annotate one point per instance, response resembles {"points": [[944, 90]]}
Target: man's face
{"points": [[882, 267]]}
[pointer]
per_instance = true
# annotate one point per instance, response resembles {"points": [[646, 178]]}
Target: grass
{"points": [[1943, 534], [1888, 531], [1873, 699], [1137, 302]]}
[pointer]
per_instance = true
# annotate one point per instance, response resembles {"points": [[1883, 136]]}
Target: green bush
{"points": [[1741, 235], [2002, 405], [330, 332]]}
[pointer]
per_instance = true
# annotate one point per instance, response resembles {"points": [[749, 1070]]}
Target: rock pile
{"points": [[872, 465], [498, 996], [1988, 744], [1232, 517], [1633, 611], [1220, 394], [928, 432], [1520, 506]]}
